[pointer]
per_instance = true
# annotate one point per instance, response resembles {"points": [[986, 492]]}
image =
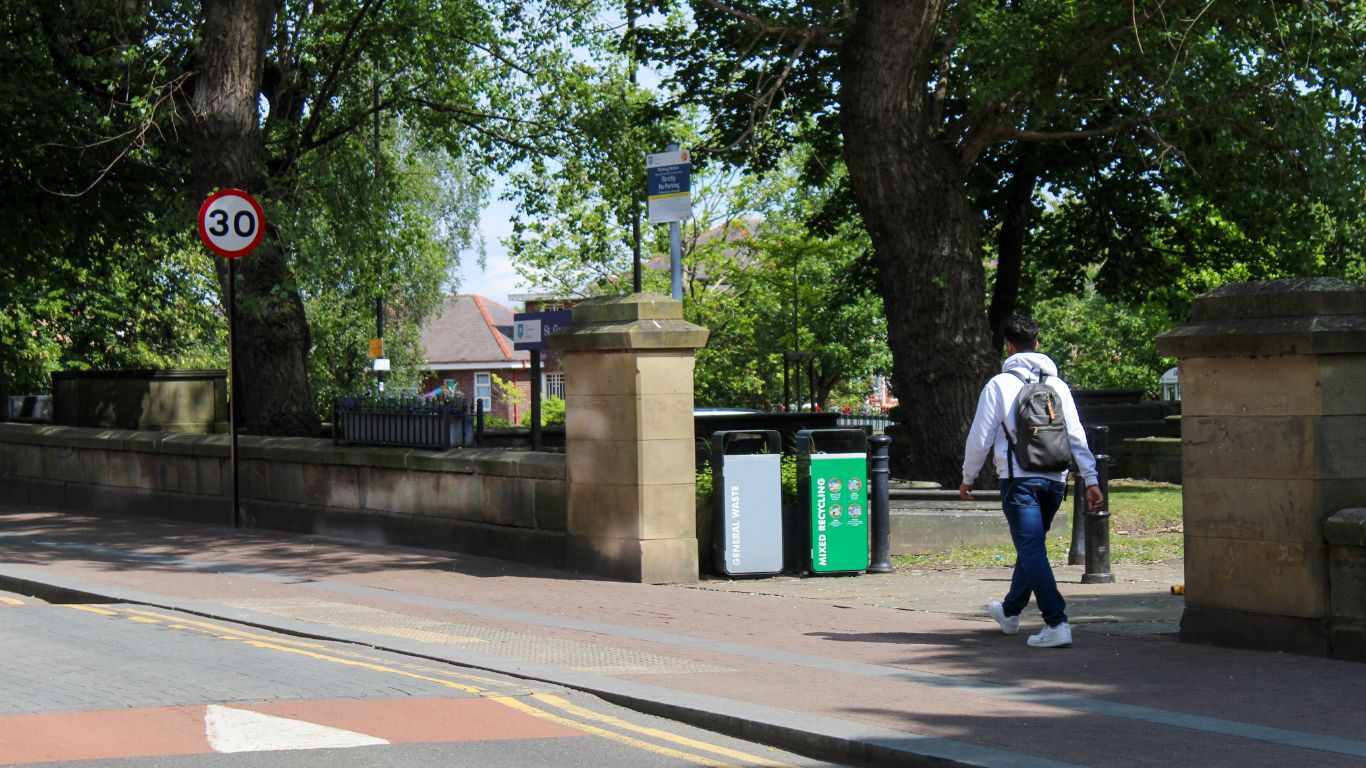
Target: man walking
{"points": [[1029, 498]]}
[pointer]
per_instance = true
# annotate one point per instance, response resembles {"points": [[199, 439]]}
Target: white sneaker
{"points": [[1053, 637], [1010, 625]]}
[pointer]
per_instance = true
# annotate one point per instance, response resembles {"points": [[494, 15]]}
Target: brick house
{"points": [[468, 341]]}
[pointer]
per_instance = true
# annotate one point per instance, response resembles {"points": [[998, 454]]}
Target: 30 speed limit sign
{"points": [[231, 223]]}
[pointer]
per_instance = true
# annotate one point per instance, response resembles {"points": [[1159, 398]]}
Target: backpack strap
{"points": [[1010, 444]]}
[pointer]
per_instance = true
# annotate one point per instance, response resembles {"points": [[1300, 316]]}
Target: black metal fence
{"points": [[436, 429], [869, 423]]}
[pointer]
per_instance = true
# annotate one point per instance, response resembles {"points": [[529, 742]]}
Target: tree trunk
{"points": [[1010, 243], [910, 189], [227, 151]]}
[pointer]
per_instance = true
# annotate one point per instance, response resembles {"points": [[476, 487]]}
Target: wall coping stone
{"points": [[300, 450], [633, 321], [627, 307], [1347, 528], [1301, 316], [1256, 337], [1281, 298]]}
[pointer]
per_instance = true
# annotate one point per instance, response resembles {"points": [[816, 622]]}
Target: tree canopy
{"points": [[369, 131], [1154, 124]]}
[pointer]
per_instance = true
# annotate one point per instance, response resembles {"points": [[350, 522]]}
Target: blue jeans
{"points": [[1029, 504]]}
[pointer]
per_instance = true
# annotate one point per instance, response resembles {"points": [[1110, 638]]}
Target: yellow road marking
{"points": [[364, 665], [588, 714], [230, 633], [180, 622], [10, 601], [90, 609], [522, 706], [309, 650]]}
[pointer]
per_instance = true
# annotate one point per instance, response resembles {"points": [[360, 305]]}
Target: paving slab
{"points": [[895, 669]]}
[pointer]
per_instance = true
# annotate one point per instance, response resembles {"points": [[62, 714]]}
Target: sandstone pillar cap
{"points": [[631, 321], [1303, 316]]}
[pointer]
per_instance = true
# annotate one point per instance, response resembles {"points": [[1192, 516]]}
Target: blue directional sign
{"points": [[668, 186], [531, 330]]}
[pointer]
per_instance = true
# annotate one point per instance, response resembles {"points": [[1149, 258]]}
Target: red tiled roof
{"points": [[469, 329]]}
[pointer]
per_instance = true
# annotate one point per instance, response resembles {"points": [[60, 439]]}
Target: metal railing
{"points": [[438, 430], [870, 423]]}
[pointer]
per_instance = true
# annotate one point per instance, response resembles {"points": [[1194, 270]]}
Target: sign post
{"points": [[231, 224], [531, 331], [669, 192]]}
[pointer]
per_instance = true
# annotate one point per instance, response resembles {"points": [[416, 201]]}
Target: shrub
{"points": [[552, 413]]}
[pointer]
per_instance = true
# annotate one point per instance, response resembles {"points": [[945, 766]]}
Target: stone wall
{"points": [[510, 505], [1273, 440], [1151, 458], [1346, 534], [163, 401]]}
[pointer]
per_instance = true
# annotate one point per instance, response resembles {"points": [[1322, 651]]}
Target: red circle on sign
{"points": [[231, 243]]}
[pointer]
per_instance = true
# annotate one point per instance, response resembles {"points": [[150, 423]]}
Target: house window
{"points": [[483, 390], [552, 384]]}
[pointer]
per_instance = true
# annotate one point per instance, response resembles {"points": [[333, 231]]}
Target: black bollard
{"points": [[1076, 554], [1097, 437], [1098, 530], [880, 502]]}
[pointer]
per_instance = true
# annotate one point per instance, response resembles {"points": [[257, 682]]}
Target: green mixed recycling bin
{"points": [[832, 491], [747, 520]]}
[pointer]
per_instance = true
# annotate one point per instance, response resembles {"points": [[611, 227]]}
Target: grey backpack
{"points": [[1040, 443]]}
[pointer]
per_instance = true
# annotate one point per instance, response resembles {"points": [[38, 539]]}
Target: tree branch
{"points": [[329, 85], [762, 103], [981, 130], [821, 36]]}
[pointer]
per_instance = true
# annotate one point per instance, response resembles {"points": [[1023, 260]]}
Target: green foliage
{"points": [[370, 402], [769, 283], [382, 124], [552, 413], [1102, 344]]}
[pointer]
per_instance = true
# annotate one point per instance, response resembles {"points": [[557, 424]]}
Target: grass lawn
{"points": [[1145, 527]]}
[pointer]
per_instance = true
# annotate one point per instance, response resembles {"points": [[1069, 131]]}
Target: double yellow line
{"points": [[545, 706]]}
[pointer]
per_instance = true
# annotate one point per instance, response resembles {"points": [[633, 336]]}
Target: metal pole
{"points": [[478, 423], [535, 399], [787, 387], [635, 201], [233, 389], [880, 501], [379, 334], [675, 250], [4, 390], [379, 272]]}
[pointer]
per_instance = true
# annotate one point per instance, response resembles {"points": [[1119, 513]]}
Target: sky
{"points": [[498, 279]]}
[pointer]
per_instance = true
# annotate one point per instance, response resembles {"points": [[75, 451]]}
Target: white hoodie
{"points": [[997, 404]]}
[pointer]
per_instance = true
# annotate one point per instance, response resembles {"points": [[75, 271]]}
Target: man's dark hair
{"points": [[1022, 332]]}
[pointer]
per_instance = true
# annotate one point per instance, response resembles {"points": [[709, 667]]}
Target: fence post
{"points": [[880, 499], [478, 423]]}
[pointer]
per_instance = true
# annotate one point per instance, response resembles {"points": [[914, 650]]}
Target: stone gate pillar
{"points": [[629, 454], [1273, 434]]}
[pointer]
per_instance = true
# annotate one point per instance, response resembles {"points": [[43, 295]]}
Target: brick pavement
{"points": [[897, 669]]}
